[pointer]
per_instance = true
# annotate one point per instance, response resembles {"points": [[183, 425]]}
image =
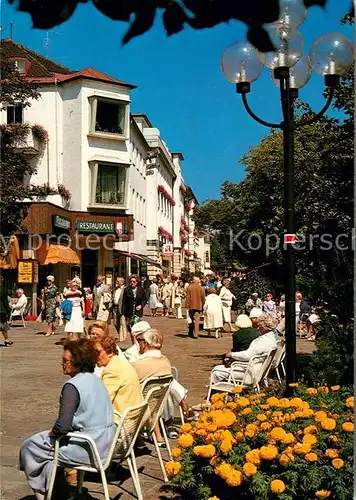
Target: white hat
{"points": [[256, 312], [140, 327]]}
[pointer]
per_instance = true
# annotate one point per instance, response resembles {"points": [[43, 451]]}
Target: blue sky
{"points": [[180, 84]]}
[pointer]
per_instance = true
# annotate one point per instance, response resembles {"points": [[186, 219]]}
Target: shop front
{"points": [[68, 244]]}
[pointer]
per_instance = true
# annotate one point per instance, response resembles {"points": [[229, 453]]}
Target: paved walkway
{"points": [[31, 378]]}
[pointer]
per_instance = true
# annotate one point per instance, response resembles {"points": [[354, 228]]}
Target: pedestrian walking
{"points": [[97, 291], [213, 312], [133, 301], [4, 313], [50, 300], [226, 298], [119, 320], [195, 302], [75, 326], [153, 297]]}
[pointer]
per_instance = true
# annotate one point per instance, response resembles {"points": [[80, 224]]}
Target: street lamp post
{"points": [[330, 55]]}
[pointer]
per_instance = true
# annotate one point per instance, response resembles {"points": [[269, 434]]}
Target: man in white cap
{"points": [[132, 354], [253, 302], [178, 393]]}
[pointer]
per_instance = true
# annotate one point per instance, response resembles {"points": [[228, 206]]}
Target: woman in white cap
{"points": [[255, 313], [50, 301]]}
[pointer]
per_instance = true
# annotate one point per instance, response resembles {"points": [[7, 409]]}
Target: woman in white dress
{"points": [[75, 326], [178, 297], [152, 302], [213, 313], [226, 297]]}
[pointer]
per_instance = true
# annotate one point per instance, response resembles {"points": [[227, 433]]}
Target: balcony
{"points": [[29, 140]]}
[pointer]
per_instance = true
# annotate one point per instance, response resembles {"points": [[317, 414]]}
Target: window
{"points": [[14, 114], [20, 66], [207, 257], [108, 116], [108, 184]]}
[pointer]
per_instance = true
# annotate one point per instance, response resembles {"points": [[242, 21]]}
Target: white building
{"points": [[110, 197]]}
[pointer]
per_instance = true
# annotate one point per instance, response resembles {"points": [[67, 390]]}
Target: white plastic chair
{"points": [[278, 361], [21, 314], [248, 368], [175, 375], [121, 449], [156, 405]]}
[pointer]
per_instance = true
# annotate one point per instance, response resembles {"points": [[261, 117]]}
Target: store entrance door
{"points": [[89, 267]]}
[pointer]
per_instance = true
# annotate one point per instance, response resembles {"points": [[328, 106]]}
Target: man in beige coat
{"points": [[195, 302]]}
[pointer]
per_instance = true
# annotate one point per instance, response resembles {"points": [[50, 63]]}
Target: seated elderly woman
{"points": [[118, 376], [265, 342], [85, 406], [244, 335], [97, 331]]}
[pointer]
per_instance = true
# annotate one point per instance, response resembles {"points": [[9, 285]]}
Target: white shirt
{"points": [[20, 305], [261, 345], [117, 295]]}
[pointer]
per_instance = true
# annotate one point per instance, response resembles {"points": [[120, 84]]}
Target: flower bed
{"points": [[264, 447]]}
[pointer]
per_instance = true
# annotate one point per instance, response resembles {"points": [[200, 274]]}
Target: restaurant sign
{"points": [[61, 222], [102, 227], [87, 226]]}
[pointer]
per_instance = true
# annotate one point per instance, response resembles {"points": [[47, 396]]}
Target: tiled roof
{"points": [[40, 67], [45, 70]]}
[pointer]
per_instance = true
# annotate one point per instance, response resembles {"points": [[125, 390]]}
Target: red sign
{"points": [[167, 250], [290, 239]]}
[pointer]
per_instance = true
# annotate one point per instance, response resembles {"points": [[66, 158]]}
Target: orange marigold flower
{"points": [[231, 405], [185, 440], [239, 437], [286, 457], [335, 388], [213, 498], [235, 478], [265, 426], [220, 396], [201, 432], [323, 388], [249, 469], [337, 463], [322, 494], [242, 401], [223, 470], [253, 457], [268, 452], [226, 446], [176, 452], [173, 468], [296, 402], [261, 417], [332, 453], [264, 407], [284, 403], [348, 427], [251, 430], [278, 433], [218, 405], [312, 391], [310, 429], [328, 424], [288, 438], [277, 486], [350, 402], [237, 389], [211, 428], [301, 449], [272, 401], [207, 451], [311, 457], [186, 428], [310, 439], [320, 415], [333, 438], [246, 411]]}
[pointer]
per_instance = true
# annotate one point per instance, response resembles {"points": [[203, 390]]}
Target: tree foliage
{"points": [[253, 208], [15, 167], [177, 14]]}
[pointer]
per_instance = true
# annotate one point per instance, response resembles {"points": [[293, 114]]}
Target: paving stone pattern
{"points": [[31, 379]]}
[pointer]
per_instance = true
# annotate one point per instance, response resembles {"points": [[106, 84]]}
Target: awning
{"points": [[57, 253], [147, 259], [10, 254], [129, 254]]}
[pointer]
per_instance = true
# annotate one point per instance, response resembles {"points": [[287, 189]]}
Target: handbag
{"points": [[39, 318], [177, 301], [159, 305]]}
